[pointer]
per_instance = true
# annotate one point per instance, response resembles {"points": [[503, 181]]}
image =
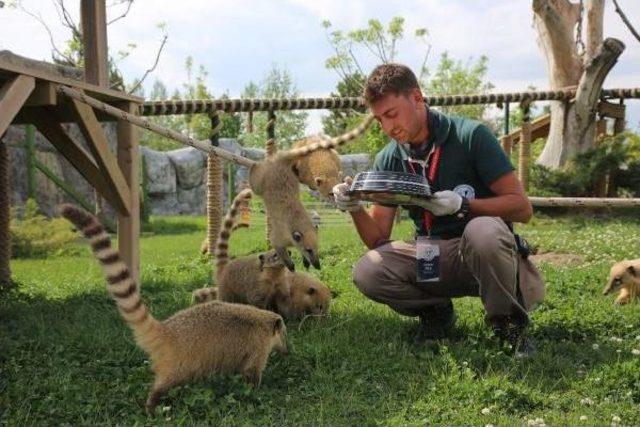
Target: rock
{"points": [[188, 163], [354, 163], [161, 176], [164, 204], [192, 201]]}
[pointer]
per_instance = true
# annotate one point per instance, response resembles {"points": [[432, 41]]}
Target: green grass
{"points": [[66, 357]]}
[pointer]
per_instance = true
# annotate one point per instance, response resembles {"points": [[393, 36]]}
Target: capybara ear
{"points": [[632, 270]]}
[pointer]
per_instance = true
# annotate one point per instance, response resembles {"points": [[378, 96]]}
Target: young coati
{"points": [[307, 296], [253, 279], [624, 275], [320, 170], [216, 337], [274, 180]]}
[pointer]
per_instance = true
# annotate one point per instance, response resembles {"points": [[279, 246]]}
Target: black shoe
{"points": [[512, 331], [436, 322]]}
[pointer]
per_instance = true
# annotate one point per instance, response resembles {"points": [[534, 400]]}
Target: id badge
{"points": [[428, 260]]}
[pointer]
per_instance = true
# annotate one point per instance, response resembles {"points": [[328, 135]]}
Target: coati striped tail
{"points": [[120, 285], [329, 143], [222, 247]]}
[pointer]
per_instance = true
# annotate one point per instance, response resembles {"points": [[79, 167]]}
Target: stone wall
{"points": [[176, 180]]}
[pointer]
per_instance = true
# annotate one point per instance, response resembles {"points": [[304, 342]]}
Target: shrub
{"points": [[616, 157], [35, 235]]}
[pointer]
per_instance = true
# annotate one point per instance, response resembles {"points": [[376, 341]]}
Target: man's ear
{"points": [[416, 94]]}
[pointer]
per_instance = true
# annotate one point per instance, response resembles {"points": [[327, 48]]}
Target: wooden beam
{"points": [[49, 127], [13, 95], [607, 109], [11, 64], [99, 146], [94, 37], [43, 94], [129, 163]]}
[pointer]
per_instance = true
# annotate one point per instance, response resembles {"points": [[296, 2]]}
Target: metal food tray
{"points": [[392, 188]]}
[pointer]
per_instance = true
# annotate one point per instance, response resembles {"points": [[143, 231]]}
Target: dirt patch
{"points": [[557, 259]]}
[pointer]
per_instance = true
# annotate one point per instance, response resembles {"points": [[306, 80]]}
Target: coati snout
{"points": [[624, 276], [309, 255], [621, 273]]}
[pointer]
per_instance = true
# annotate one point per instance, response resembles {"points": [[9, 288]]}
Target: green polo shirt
{"points": [[471, 160]]}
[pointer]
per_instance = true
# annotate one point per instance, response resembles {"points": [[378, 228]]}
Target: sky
{"points": [[241, 40]]}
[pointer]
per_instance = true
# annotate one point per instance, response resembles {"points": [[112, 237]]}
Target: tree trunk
{"points": [[5, 217], [572, 127]]}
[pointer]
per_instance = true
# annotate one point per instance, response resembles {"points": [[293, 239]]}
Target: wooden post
{"points": [[5, 217], [29, 148], [507, 144], [601, 128], [94, 40], [129, 163], [525, 145], [619, 123]]}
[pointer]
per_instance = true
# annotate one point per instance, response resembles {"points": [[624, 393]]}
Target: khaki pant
{"points": [[483, 262]]}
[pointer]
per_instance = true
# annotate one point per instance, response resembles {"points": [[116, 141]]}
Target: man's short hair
{"points": [[389, 78]]}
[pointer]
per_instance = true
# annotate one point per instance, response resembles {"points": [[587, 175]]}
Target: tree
{"points": [[378, 44], [72, 53], [290, 125], [573, 62], [195, 125], [454, 77]]}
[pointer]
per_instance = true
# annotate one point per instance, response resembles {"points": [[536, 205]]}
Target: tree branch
{"points": [[626, 21], [126, 12], [38, 18], [68, 20], [155, 64]]}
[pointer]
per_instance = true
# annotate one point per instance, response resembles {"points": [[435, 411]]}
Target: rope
{"points": [[214, 187], [144, 123], [270, 150], [169, 107], [5, 217]]}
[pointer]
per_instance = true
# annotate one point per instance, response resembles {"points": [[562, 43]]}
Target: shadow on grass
{"points": [[170, 226], [74, 359]]}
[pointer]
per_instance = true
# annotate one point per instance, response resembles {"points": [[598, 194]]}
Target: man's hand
{"points": [[443, 203], [343, 201]]}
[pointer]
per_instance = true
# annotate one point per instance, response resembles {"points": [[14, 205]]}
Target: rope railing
{"points": [[195, 106], [146, 124]]}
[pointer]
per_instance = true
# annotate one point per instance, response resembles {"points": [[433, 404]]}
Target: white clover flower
{"points": [[635, 352], [583, 418], [485, 411], [595, 346], [587, 401], [166, 408], [615, 419]]}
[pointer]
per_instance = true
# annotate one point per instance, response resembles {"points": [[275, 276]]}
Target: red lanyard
{"points": [[433, 160]]}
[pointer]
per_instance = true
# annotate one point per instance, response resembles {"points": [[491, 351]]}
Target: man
{"points": [[468, 220]]}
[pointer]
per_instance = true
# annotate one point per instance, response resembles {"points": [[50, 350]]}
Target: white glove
{"points": [[343, 201], [443, 203]]}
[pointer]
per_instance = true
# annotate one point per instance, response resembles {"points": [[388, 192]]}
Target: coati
{"points": [[274, 180], [253, 279], [320, 170], [216, 337], [307, 296], [625, 276]]}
